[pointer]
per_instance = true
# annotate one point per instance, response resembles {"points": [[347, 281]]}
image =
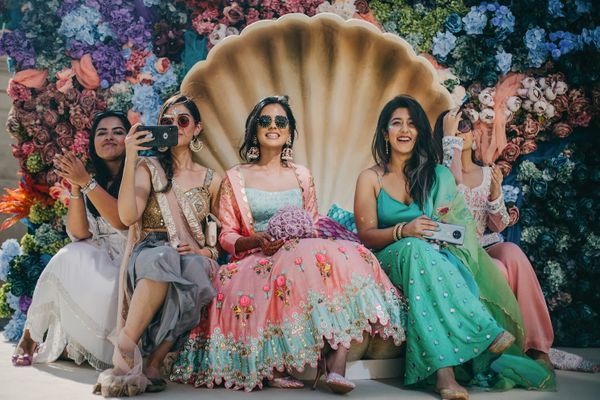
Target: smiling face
{"points": [[187, 128], [401, 132], [109, 139], [273, 129]]}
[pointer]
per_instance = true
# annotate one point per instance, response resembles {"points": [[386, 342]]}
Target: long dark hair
{"points": [[97, 166], [250, 138], [419, 170], [438, 136], [166, 158]]}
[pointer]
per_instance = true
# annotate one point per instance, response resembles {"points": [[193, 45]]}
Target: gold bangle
{"points": [[402, 225], [395, 232]]}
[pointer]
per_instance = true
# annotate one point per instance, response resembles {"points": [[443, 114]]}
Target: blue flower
{"points": [[475, 21], [453, 23], [443, 44], [503, 61], [535, 41], [504, 20], [10, 249], [147, 102], [14, 329], [591, 36], [150, 3], [83, 24], [555, 8], [583, 6]]}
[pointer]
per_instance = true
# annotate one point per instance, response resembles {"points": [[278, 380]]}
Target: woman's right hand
{"points": [[420, 227], [267, 244], [451, 120], [134, 141]]}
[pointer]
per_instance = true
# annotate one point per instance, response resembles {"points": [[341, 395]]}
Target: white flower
{"points": [[218, 34], [542, 83], [471, 114], [550, 111], [486, 97], [522, 92], [344, 9], [231, 30], [560, 88], [539, 107], [513, 103], [487, 115], [534, 94], [527, 105], [549, 93], [508, 114], [528, 82]]}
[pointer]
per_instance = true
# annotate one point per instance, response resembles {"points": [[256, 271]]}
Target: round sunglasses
{"points": [[183, 120], [281, 121]]}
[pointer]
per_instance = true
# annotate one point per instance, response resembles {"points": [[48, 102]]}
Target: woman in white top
{"points": [[75, 300]]}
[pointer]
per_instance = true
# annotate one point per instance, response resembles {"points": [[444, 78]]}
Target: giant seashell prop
{"points": [[338, 74]]}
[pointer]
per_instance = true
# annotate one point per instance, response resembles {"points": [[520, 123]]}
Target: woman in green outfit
{"points": [[457, 325]]}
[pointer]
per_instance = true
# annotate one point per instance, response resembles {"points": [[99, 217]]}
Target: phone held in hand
{"points": [[449, 233], [164, 135]]}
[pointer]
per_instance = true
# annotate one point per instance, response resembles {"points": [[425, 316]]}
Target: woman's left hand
{"points": [[184, 249], [496, 185], [71, 168]]}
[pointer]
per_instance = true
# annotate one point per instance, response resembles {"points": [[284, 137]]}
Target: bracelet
{"points": [[88, 187], [214, 253], [397, 233], [74, 196]]}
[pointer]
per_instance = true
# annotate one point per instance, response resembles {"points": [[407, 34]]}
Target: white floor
{"points": [[65, 380]]}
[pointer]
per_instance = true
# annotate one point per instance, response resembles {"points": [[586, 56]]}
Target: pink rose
{"points": [[320, 258], [50, 150], [17, 152], [252, 16], [560, 103], [52, 177], [245, 300], [231, 266], [342, 250], [42, 136], [513, 213], [280, 281], [530, 127], [234, 13], [79, 119], [64, 85], [361, 249], [505, 166], [65, 142], [63, 129], [87, 100], [263, 262], [562, 130], [362, 6], [27, 148], [28, 119], [528, 147], [581, 119], [511, 152], [72, 95], [266, 288], [50, 118], [17, 91], [162, 65], [298, 261], [220, 297]]}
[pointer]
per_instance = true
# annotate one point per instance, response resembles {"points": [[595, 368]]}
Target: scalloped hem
{"points": [[294, 343]]}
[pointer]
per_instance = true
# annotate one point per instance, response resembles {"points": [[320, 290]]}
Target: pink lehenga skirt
{"points": [[280, 311]]}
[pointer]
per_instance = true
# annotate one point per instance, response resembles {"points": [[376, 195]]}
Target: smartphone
{"points": [[164, 135], [449, 233]]}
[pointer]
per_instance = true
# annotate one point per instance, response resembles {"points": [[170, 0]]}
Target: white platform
{"points": [[364, 369]]}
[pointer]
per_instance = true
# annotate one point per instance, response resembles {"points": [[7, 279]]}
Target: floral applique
{"points": [[282, 289], [227, 272], [290, 245], [220, 298], [365, 254], [298, 262], [243, 308], [263, 266], [323, 263], [266, 290], [344, 251]]}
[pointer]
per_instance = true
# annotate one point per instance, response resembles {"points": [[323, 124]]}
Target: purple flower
{"points": [[24, 303], [109, 63], [291, 223], [17, 46]]}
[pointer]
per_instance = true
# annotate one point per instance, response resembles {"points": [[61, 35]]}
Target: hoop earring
{"points": [[287, 154], [196, 144], [253, 153]]}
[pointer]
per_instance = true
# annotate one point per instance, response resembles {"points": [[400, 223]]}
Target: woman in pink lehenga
{"points": [[280, 303], [482, 188]]}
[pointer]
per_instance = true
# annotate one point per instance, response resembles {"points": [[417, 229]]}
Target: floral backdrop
{"points": [[525, 70]]}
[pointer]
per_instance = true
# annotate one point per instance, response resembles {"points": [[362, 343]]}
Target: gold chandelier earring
{"points": [[387, 146], [196, 144], [287, 154], [253, 153]]}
